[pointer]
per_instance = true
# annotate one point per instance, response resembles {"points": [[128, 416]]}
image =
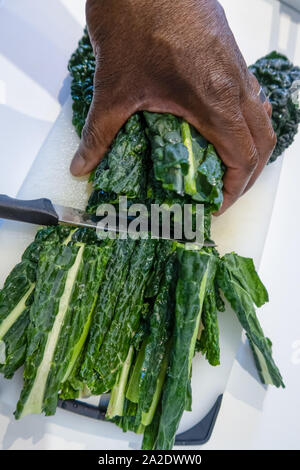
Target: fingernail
{"points": [[77, 165]]}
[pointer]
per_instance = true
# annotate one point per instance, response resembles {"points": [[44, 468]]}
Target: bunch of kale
{"points": [[280, 80]]}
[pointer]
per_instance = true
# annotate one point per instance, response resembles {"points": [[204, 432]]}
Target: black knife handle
{"points": [[38, 211]]}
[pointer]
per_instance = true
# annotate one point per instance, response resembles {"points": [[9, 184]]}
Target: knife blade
{"points": [[44, 212]]}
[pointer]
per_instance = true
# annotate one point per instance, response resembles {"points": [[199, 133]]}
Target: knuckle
{"points": [[251, 162], [90, 136], [249, 91], [270, 138], [220, 84], [268, 107], [273, 139], [221, 9], [223, 89], [229, 118]]}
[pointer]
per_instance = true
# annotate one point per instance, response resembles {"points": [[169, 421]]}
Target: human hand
{"points": [[178, 57]]}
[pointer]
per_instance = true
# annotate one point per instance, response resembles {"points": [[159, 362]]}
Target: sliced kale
{"points": [[155, 350], [196, 272], [208, 344], [16, 298], [241, 297], [127, 314], [68, 278], [113, 282]]}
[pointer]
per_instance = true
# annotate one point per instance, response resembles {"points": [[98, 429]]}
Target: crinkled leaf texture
{"points": [[276, 74], [123, 169], [183, 161], [196, 272], [240, 297], [16, 298], [68, 279]]}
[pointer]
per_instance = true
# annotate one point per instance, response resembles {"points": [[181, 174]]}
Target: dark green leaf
{"points": [[242, 303], [196, 273]]}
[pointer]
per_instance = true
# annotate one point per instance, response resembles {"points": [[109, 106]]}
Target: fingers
{"points": [[106, 116], [239, 154], [265, 140], [230, 135], [101, 126], [268, 108], [258, 119], [253, 144], [254, 94]]}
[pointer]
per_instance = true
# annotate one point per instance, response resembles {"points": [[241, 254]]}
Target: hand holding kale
{"points": [[178, 57]]}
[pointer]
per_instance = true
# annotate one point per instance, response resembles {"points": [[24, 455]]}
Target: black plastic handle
{"points": [[197, 435], [38, 211]]}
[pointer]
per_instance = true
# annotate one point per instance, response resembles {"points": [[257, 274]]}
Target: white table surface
{"points": [[33, 87]]}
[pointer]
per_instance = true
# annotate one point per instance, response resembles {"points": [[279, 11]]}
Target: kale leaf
{"points": [[277, 75], [123, 169], [196, 272], [241, 297], [16, 298], [68, 278]]}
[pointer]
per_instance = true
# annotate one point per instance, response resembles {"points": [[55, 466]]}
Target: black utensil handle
{"points": [[38, 211], [197, 435]]}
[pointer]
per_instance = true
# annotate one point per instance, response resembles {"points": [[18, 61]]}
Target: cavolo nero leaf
{"points": [[53, 270], [16, 298], [244, 272], [183, 161], [156, 344], [169, 154], [74, 387], [77, 320], [127, 315], [241, 301], [208, 343], [117, 396], [123, 169], [196, 272], [67, 284], [112, 283], [208, 337], [82, 68], [280, 79], [150, 367]]}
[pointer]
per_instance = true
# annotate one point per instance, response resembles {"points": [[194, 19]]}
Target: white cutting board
{"points": [[242, 228]]}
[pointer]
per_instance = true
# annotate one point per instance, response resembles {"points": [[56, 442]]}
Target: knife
{"points": [[44, 212]]}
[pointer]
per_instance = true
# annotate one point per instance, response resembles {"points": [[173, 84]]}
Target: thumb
{"points": [[102, 124]]}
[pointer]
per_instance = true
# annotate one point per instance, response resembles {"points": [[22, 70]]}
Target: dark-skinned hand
{"points": [[180, 57]]}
